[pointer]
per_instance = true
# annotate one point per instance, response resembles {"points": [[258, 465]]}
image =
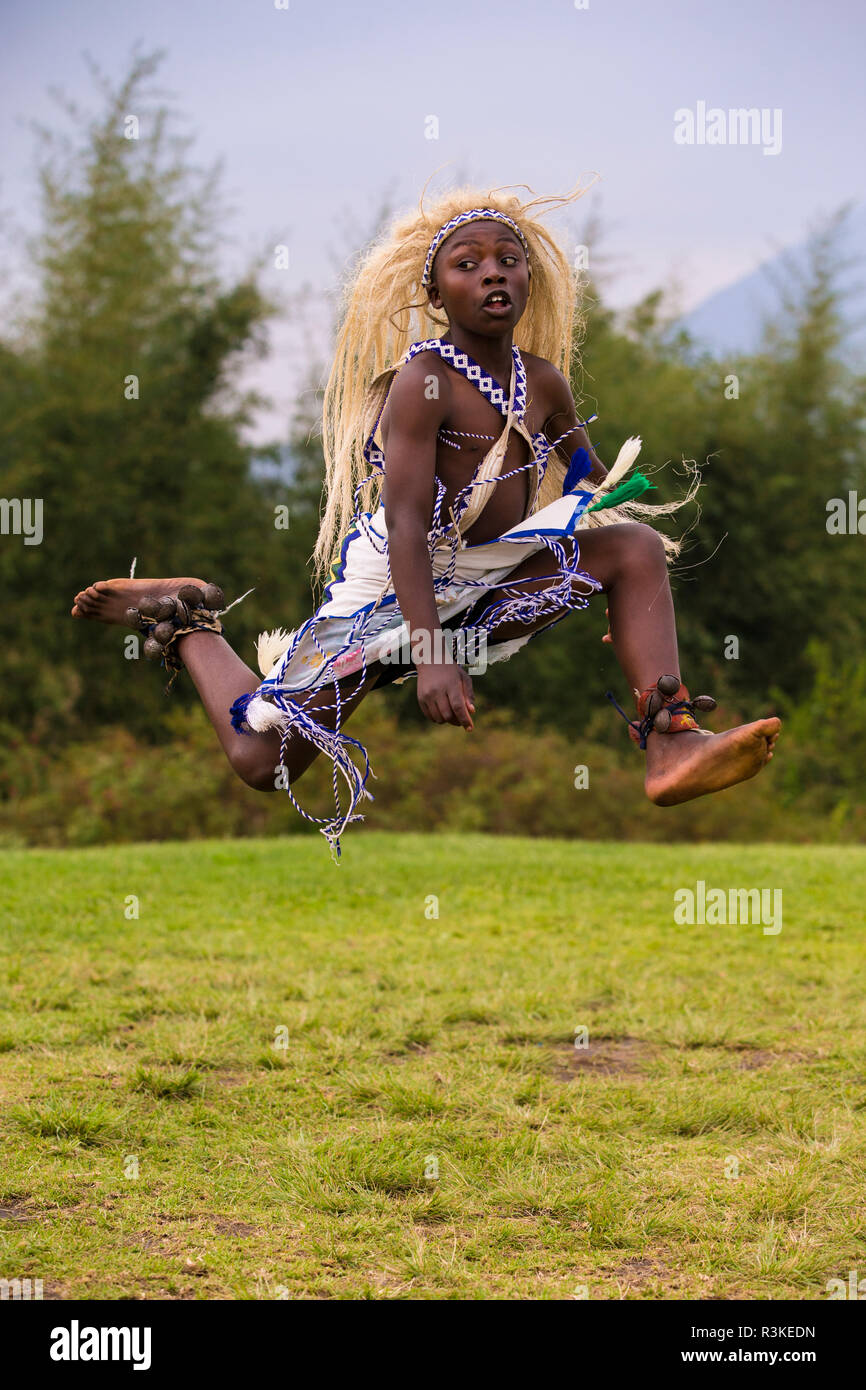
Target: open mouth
{"points": [[497, 302]]}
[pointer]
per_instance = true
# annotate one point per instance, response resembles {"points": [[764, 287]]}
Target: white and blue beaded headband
{"points": [[475, 215]]}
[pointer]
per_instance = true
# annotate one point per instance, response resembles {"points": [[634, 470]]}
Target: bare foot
{"points": [[108, 600], [692, 763]]}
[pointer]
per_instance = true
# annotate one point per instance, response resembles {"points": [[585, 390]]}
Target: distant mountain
{"points": [[731, 319]]}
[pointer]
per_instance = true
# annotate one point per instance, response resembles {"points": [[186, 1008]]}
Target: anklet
{"points": [[164, 620], [663, 708]]}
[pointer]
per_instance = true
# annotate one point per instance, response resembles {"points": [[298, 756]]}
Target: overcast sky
{"points": [[320, 108]]}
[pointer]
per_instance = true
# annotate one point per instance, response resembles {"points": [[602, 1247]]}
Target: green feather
{"points": [[633, 487]]}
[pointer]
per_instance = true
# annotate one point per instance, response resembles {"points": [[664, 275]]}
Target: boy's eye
{"points": [[470, 263]]}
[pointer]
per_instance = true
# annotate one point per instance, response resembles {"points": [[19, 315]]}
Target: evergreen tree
{"points": [[119, 411]]}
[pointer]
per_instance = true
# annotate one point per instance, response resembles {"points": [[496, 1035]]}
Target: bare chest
{"points": [[469, 432]]}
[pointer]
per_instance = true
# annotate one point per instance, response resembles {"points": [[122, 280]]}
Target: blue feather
{"points": [[579, 465]]}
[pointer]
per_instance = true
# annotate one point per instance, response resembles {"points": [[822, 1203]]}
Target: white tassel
{"points": [[270, 646], [263, 716], [624, 460]]}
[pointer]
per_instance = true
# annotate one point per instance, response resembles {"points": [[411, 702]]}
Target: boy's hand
{"points": [[445, 693], [607, 637]]}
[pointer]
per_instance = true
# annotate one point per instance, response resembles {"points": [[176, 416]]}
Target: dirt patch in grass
{"points": [[636, 1272], [605, 1057], [754, 1061], [755, 1058], [231, 1228], [148, 1244], [164, 1241], [51, 1293], [638, 1269], [751, 1057], [17, 1209]]}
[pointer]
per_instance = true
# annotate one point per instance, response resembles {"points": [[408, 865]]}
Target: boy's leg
{"points": [[628, 559], [629, 562], [220, 677]]}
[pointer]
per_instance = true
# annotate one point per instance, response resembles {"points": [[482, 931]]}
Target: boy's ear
{"points": [[434, 297]]}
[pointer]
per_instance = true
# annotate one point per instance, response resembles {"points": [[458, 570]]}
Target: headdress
{"points": [[474, 215]]}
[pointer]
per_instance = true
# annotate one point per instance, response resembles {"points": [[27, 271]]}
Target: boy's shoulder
{"points": [[420, 369], [542, 369], [410, 398], [546, 379]]}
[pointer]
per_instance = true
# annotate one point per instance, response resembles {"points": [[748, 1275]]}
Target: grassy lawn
{"points": [[287, 1079]]}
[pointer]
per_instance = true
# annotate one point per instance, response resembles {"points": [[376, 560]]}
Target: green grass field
{"points": [[288, 1079]]}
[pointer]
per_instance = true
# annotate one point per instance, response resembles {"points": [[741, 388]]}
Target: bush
{"points": [[501, 779]]}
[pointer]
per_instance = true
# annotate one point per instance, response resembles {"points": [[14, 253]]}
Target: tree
{"points": [[118, 407], [792, 440]]}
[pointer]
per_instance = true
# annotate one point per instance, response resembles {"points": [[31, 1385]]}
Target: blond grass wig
{"points": [[385, 310]]}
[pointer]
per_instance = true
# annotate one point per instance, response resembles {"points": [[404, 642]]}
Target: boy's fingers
{"points": [[468, 703], [463, 716], [431, 709], [437, 709], [465, 704], [450, 706], [459, 714], [466, 681], [443, 705]]}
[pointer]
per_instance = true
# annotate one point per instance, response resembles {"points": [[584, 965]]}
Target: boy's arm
{"points": [[563, 416], [409, 435]]}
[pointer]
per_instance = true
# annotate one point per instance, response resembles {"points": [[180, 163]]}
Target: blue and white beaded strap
{"points": [[474, 372], [474, 215]]}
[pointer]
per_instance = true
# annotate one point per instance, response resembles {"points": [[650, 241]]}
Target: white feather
{"points": [[270, 646], [624, 460]]}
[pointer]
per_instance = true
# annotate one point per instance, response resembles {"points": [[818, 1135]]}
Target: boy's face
{"points": [[483, 261]]}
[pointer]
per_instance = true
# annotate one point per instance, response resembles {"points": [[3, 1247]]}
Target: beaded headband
{"points": [[475, 215]]}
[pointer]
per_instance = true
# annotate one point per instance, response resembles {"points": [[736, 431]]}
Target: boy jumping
{"points": [[484, 512]]}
